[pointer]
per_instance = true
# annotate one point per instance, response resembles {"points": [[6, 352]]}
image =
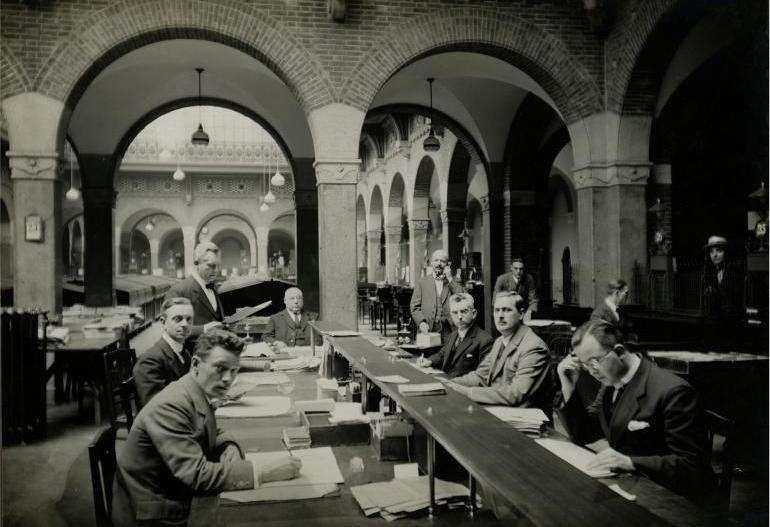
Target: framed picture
{"points": [[33, 228]]}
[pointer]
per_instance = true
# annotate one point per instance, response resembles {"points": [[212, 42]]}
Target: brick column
{"points": [[98, 209], [452, 223], [418, 248], [373, 266], [393, 253], [492, 252]]}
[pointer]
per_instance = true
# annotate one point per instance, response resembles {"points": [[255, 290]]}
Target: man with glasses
{"points": [[430, 299], [174, 450], [466, 346], [517, 281], [650, 417]]}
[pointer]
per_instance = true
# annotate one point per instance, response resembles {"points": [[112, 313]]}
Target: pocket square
{"points": [[634, 426], [469, 356]]}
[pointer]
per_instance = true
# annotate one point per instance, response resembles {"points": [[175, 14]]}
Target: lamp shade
{"points": [[264, 207], [270, 197], [278, 180], [431, 143], [199, 137], [72, 194], [179, 174], [149, 226]]}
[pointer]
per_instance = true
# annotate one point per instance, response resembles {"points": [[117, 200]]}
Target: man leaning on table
{"points": [[174, 451], [466, 346], [515, 372], [289, 327], [650, 417]]}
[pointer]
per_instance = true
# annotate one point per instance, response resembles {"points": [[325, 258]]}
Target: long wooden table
{"points": [[540, 486]]}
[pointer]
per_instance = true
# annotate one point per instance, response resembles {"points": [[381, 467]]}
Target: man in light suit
{"points": [[515, 372], [200, 288], [167, 360], [430, 299], [650, 417], [517, 281], [289, 327], [617, 293], [174, 450], [466, 346]]}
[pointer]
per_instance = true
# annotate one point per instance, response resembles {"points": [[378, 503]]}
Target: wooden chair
{"points": [[101, 455], [722, 426], [119, 388]]}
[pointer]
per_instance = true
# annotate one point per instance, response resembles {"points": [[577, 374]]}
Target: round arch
{"points": [[235, 249], [396, 201], [375, 209], [421, 191], [219, 213]]}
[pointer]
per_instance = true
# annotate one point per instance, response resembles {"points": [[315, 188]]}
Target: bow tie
{"points": [[212, 286]]}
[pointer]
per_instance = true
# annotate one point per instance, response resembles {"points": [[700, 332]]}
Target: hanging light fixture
{"points": [[178, 174], [431, 143], [199, 137], [73, 194], [150, 225], [264, 207], [269, 197], [277, 180]]}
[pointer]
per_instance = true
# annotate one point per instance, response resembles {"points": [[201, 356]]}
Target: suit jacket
{"points": [[603, 312], [172, 454], [516, 374], [466, 356], [425, 306], [723, 299], [203, 311], [673, 450], [526, 288], [282, 327], [156, 368]]}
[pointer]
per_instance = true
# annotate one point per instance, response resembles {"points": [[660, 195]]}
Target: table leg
{"points": [[364, 392], [432, 474], [472, 496]]}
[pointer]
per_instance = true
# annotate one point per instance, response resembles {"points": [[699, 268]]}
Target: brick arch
{"points": [[127, 25], [540, 54], [13, 75]]}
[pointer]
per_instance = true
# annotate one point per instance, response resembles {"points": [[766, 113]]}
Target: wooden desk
{"points": [[695, 362], [523, 474]]}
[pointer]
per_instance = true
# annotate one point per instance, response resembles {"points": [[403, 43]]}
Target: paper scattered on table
{"points": [[262, 378], [392, 379], [257, 349], [573, 454], [630, 497], [347, 413], [394, 499], [407, 470], [314, 405], [255, 406], [428, 388], [58, 334], [299, 363], [301, 351], [342, 333], [430, 370], [318, 477]]}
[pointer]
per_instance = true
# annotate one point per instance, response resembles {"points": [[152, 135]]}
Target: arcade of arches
{"points": [[576, 142]]}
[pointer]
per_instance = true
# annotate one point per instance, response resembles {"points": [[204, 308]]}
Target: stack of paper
{"points": [[300, 363], [297, 437], [348, 413], [530, 421], [257, 349], [395, 499], [428, 388], [575, 455], [392, 379]]}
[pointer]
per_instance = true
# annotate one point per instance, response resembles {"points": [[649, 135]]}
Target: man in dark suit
{"points": [[167, 360], [174, 450], [617, 293], [518, 281], [430, 299], [515, 372], [650, 417], [722, 283], [289, 327], [200, 289], [466, 346]]}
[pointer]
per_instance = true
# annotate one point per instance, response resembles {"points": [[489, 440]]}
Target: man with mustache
{"points": [[430, 299]]}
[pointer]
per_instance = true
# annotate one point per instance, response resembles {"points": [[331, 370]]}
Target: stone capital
{"points": [[337, 171], [306, 199], [33, 165], [419, 225], [611, 174], [374, 234], [393, 232], [99, 196]]}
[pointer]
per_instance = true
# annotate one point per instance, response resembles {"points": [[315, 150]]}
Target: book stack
{"points": [[297, 437], [530, 421], [428, 388]]}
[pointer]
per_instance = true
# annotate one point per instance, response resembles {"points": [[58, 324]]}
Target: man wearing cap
{"points": [[722, 282]]}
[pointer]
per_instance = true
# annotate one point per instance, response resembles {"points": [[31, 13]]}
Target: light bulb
{"points": [[72, 194], [264, 207], [179, 174], [149, 227], [270, 197], [278, 180]]}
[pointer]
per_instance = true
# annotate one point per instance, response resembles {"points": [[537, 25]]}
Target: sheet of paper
{"points": [[253, 406], [430, 370], [428, 388], [244, 312], [392, 379], [510, 413], [262, 378], [314, 405], [573, 454], [347, 413], [408, 470], [257, 349], [302, 351], [342, 333]]}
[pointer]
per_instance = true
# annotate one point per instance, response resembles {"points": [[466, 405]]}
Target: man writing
{"points": [[289, 327], [466, 346], [167, 360], [518, 281], [515, 372], [429, 304], [649, 416], [200, 289], [174, 450]]}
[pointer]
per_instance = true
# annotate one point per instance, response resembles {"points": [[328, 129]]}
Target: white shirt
{"points": [[633, 367], [461, 334], [176, 347], [439, 286], [610, 304], [209, 292], [295, 317]]}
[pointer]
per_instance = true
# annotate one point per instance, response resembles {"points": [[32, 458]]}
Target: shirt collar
{"points": [[462, 332], [633, 367], [176, 347]]}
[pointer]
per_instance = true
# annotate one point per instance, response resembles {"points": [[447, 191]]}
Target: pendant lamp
{"points": [[431, 143], [199, 137]]}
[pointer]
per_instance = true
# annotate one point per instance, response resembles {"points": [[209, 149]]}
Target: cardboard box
{"points": [[324, 433]]}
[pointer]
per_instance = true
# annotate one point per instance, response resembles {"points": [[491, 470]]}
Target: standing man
{"points": [[174, 450], [519, 282], [430, 299], [166, 360], [722, 283], [466, 346], [650, 416], [617, 294], [515, 372], [200, 288], [289, 327]]}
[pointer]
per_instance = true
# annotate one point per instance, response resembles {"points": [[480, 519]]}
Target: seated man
{"points": [[174, 451], [617, 293], [515, 372], [289, 327], [167, 360], [466, 346], [649, 416]]}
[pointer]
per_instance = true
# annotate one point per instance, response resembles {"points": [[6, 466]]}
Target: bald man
{"points": [[290, 326], [430, 299]]}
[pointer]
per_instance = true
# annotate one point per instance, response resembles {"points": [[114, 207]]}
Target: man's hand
{"points": [[424, 363], [459, 388], [424, 328], [211, 325], [280, 469], [569, 371], [612, 460], [230, 454]]}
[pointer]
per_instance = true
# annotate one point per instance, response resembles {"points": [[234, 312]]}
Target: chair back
{"points": [[101, 455], [119, 394], [724, 427]]}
